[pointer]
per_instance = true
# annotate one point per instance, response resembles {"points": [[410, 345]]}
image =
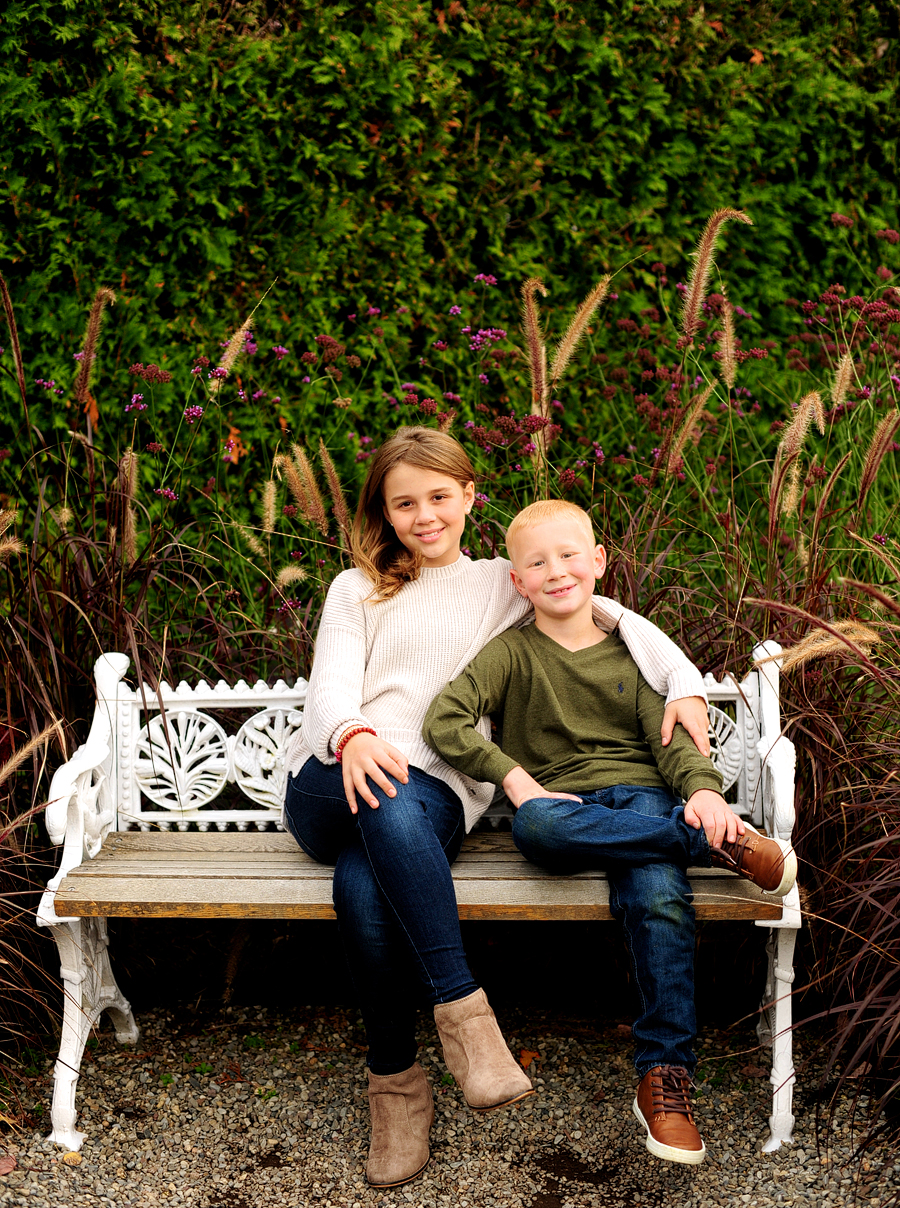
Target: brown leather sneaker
{"points": [[768, 863], [663, 1106]]}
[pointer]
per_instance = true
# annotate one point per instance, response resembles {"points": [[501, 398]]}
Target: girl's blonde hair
{"points": [[376, 550]]}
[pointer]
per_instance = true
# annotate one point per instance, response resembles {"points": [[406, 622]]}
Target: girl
{"points": [[395, 630]]}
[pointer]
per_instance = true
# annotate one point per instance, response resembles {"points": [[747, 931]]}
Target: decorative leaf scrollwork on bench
{"points": [[185, 768], [259, 751], [727, 749]]}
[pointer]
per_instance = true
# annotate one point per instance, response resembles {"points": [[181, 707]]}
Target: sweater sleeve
{"points": [[666, 669], [680, 763], [450, 726], [334, 696]]}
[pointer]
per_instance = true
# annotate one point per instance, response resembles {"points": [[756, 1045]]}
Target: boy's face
{"points": [[556, 566]]}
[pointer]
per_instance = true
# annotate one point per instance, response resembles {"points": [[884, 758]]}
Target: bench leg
{"points": [[89, 989], [775, 1029]]}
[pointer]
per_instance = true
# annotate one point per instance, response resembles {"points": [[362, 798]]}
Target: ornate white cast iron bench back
{"points": [[167, 811]]}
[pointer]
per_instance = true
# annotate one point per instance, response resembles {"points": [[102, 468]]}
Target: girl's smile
{"points": [[427, 510]]}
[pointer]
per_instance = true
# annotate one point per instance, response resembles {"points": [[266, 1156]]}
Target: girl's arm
{"points": [[334, 699], [665, 668]]}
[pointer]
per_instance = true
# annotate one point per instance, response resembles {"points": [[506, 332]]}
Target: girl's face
{"points": [[428, 510]]}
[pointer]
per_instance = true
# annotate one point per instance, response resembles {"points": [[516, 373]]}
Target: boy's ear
{"points": [[516, 584], [599, 561]]}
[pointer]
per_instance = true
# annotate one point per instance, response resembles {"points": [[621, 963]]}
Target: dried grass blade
{"points": [[876, 593], [703, 261], [879, 551], [826, 492]]}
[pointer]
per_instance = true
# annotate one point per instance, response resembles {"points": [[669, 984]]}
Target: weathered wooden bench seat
{"points": [[164, 814]]}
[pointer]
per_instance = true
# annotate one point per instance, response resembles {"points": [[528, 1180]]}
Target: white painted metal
{"points": [[139, 771]]}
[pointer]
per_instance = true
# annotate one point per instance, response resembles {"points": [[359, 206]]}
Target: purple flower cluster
{"points": [[48, 384], [137, 404], [484, 337], [841, 220], [192, 414], [152, 374], [280, 352], [455, 310], [166, 493], [486, 278]]}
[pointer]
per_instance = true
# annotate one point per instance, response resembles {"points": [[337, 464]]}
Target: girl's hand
{"points": [[366, 757], [691, 713], [519, 786]]}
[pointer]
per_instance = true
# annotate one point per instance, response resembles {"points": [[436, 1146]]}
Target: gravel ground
{"points": [[253, 1107]]}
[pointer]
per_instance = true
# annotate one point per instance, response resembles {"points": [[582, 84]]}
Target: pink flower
{"points": [[166, 493]]}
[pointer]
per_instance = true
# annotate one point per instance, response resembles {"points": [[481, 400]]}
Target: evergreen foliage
{"points": [[187, 153]]}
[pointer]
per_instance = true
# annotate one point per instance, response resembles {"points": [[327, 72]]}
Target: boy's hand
{"points": [[710, 810], [367, 756], [519, 787], [690, 712]]}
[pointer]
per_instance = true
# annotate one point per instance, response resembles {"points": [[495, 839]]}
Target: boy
{"points": [[593, 786]]}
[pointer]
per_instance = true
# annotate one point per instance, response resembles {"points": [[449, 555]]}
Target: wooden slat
{"points": [[265, 875]]}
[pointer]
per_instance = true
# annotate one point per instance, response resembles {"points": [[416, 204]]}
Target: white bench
{"points": [[164, 812]]}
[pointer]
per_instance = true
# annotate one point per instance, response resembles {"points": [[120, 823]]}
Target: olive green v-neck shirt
{"points": [[576, 720]]}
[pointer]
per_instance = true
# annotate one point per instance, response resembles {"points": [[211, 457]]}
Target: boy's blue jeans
{"points": [[393, 896], [639, 837]]}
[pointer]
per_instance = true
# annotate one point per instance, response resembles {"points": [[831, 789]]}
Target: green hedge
{"points": [[186, 154]]}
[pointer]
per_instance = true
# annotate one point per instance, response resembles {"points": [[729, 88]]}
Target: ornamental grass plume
{"points": [[565, 349], [673, 457], [536, 349], [729, 350], [39, 740], [316, 504], [286, 467], [789, 449], [233, 350], [14, 340], [876, 453], [267, 507], [81, 388], [841, 637], [253, 542], [290, 574], [703, 263], [843, 377], [8, 517], [339, 503]]}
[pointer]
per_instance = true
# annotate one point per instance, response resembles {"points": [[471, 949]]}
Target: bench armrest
{"points": [[777, 754]]}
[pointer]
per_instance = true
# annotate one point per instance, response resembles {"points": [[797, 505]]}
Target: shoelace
{"points": [[670, 1093], [740, 845]]}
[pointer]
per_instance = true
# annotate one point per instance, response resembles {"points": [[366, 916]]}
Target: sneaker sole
{"points": [[669, 1153]]}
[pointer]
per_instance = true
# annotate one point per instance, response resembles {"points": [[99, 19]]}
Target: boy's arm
{"points": [[666, 669], [450, 725], [691, 775]]}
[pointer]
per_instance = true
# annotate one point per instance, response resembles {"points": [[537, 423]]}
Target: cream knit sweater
{"points": [[381, 664]]}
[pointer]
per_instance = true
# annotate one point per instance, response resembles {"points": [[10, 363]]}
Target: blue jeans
{"points": [[639, 837], [393, 896]]}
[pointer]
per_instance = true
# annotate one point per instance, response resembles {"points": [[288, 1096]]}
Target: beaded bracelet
{"points": [[345, 738]]}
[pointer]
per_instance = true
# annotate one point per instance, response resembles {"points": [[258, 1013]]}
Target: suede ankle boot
{"points": [[402, 1111], [477, 1055]]}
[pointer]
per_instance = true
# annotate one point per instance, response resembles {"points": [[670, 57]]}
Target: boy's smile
{"points": [[556, 566]]}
